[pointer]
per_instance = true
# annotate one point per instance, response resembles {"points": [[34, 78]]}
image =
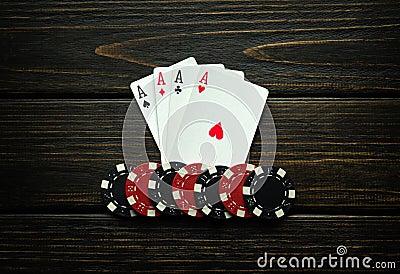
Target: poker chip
{"points": [[113, 191], [160, 188], [269, 193], [230, 189], [207, 195], [183, 188], [136, 189]]}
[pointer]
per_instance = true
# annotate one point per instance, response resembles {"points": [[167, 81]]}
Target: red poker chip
{"points": [[136, 189], [183, 188], [230, 189]]}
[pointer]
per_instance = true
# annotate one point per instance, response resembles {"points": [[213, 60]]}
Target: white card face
{"points": [[143, 91], [217, 124], [183, 81], [162, 89], [144, 95], [238, 73]]}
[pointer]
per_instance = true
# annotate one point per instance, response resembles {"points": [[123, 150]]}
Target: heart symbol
{"points": [[217, 131], [146, 104], [201, 88]]}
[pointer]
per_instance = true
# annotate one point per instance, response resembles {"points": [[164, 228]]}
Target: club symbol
{"points": [[146, 104], [178, 89]]}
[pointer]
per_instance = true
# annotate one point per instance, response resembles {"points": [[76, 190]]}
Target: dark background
{"points": [[332, 68]]}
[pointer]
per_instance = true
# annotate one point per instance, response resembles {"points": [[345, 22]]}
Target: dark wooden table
{"points": [[332, 68]]}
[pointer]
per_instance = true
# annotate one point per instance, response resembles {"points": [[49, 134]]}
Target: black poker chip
{"points": [[160, 188], [113, 191], [269, 193], [207, 195]]}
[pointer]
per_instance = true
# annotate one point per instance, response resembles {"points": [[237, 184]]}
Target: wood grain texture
{"points": [[342, 155], [65, 69], [88, 243], [53, 49]]}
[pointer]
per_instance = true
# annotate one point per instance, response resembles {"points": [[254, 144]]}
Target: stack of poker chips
{"points": [[197, 190]]}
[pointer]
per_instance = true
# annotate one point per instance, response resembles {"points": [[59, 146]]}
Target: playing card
{"points": [[216, 124], [164, 89], [183, 81], [143, 91]]}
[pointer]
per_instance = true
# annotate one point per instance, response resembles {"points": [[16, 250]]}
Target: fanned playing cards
{"points": [[200, 113]]}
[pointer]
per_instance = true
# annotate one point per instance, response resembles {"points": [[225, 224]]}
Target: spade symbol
{"points": [[146, 104]]}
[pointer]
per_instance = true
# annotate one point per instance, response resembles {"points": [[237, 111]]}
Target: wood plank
{"points": [[86, 243], [52, 49], [342, 155]]}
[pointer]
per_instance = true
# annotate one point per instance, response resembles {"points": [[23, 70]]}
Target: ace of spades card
{"points": [[145, 95]]}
